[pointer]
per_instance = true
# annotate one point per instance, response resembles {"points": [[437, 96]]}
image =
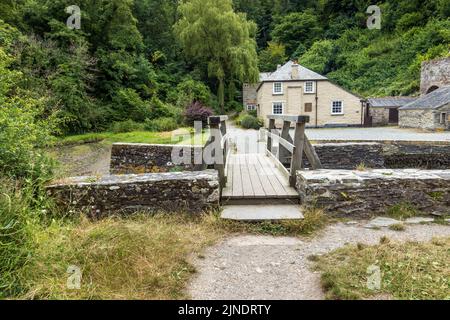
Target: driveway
{"points": [[247, 141], [375, 134]]}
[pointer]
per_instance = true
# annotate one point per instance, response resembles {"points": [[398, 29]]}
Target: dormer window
{"points": [[278, 88], [310, 87]]}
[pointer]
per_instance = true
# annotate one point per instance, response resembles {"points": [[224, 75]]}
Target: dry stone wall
{"points": [[380, 155], [365, 194], [130, 158], [168, 192]]}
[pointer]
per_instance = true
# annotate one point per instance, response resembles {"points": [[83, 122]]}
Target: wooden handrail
{"points": [[289, 146], [291, 149], [290, 118]]}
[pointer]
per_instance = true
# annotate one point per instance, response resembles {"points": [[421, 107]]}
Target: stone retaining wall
{"points": [[379, 155], [170, 192], [364, 194], [131, 158]]}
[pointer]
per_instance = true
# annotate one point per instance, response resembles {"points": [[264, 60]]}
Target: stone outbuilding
{"points": [[429, 112], [435, 74], [384, 111]]}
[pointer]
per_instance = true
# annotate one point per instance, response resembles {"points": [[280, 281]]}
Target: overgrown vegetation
{"points": [[138, 257], [403, 211], [411, 271]]}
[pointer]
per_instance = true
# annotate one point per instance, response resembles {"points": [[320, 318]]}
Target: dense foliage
{"points": [[142, 60], [332, 38]]}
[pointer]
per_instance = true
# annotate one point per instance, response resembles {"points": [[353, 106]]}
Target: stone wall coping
{"points": [[208, 175], [337, 144], [385, 174], [157, 145], [384, 142]]}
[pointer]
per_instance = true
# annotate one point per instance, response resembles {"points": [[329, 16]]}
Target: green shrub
{"points": [[234, 106], [161, 125], [253, 113], [15, 237], [126, 126], [251, 122]]}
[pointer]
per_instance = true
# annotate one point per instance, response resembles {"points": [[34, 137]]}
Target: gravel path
{"points": [[265, 268], [376, 134]]}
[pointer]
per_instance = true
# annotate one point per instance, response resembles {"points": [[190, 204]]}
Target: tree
{"points": [[297, 28], [319, 57], [272, 56], [210, 31]]}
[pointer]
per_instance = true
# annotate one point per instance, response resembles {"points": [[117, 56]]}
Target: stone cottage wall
{"points": [[167, 192], [249, 94], [435, 73], [365, 194], [423, 119], [129, 158], [380, 116]]}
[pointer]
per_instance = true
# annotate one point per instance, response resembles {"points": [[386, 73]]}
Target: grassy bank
{"points": [[180, 136], [411, 271], [135, 258], [140, 257]]}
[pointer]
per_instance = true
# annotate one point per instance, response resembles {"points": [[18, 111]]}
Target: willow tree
{"points": [[210, 30]]}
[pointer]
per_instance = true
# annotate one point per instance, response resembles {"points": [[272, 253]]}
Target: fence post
{"points": [[283, 153], [217, 125], [269, 138], [297, 157]]}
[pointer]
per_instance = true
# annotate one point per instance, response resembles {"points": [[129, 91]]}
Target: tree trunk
{"points": [[221, 95]]}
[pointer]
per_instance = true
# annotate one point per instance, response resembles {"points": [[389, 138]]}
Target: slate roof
{"points": [[390, 102], [433, 100], [285, 74]]}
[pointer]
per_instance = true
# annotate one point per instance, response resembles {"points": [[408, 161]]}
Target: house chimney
{"points": [[278, 67], [294, 73]]}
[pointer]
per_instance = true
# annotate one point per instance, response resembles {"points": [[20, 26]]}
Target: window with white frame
{"points": [[278, 88], [310, 87], [337, 107], [251, 107], [277, 108]]}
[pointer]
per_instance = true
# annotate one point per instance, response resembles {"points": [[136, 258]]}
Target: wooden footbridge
{"points": [[268, 175]]}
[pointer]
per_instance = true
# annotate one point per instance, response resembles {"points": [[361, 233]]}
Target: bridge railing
{"points": [[220, 137], [290, 151]]}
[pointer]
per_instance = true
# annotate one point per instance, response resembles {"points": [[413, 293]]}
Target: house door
{"points": [[393, 116]]}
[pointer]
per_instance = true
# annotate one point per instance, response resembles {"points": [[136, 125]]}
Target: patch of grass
{"points": [[398, 227], [437, 195], [315, 220], [142, 257], [409, 271], [402, 211], [361, 167], [180, 136]]}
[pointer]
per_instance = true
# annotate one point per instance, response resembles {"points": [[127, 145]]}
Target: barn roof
{"points": [[433, 100], [390, 102]]}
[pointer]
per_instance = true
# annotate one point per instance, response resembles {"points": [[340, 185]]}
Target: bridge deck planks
{"points": [[255, 176]]}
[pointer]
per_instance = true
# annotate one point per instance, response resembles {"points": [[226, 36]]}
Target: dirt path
{"points": [[264, 268], [83, 160]]}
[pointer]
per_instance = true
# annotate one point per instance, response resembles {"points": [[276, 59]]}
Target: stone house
{"points": [[294, 89], [429, 112], [384, 111]]}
